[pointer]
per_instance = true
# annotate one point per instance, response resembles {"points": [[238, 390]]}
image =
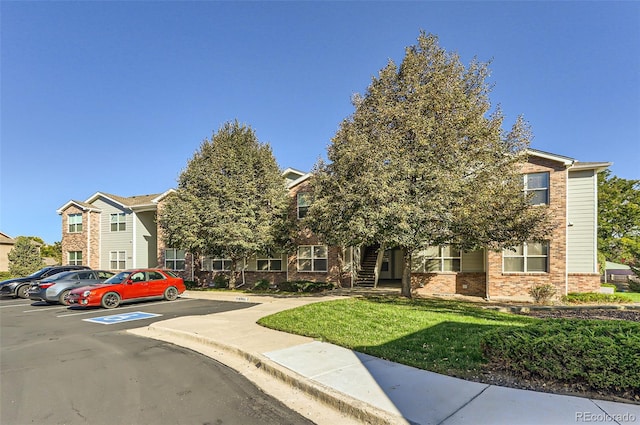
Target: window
{"points": [[312, 258], [75, 258], [304, 200], [538, 185], [155, 276], [117, 260], [436, 259], [75, 223], [174, 259], [118, 223], [268, 264], [216, 264], [530, 257]]}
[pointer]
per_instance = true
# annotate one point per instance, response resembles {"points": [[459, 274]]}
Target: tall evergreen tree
{"points": [[229, 199], [422, 161], [25, 257]]}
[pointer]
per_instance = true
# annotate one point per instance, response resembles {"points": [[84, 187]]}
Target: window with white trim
{"points": [[267, 263], [117, 260], [118, 223], [174, 259], [75, 258], [530, 257], [436, 259], [538, 185], [312, 258], [75, 223], [216, 264], [303, 203]]}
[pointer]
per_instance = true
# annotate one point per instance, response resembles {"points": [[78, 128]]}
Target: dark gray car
{"points": [[54, 289]]}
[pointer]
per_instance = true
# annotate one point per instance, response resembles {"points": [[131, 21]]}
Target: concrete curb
{"points": [[354, 408]]}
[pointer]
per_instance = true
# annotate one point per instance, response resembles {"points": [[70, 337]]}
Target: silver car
{"points": [[55, 288]]}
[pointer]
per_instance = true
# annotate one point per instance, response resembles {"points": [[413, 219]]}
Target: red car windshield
{"points": [[117, 278]]}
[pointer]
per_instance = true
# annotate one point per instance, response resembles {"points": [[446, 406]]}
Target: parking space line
{"points": [[102, 311], [15, 305], [60, 307]]}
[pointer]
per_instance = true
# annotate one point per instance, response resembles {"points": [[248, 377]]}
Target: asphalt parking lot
{"points": [[70, 365]]}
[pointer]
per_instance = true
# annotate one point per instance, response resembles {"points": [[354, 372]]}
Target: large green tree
{"points": [[230, 199], [423, 161], [25, 257], [619, 219]]}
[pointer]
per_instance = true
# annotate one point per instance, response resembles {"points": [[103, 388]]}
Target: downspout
{"points": [[486, 273], [134, 240], [376, 272], [566, 233], [352, 269], [89, 238]]}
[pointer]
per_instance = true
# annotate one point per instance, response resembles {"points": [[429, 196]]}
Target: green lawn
{"points": [[446, 336], [635, 296], [438, 335]]}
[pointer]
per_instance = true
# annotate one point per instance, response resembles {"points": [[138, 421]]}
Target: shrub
{"points": [[634, 285], [542, 294], [262, 285], [595, 298], [588, 354], [304, 286], [221, 281], [191, 285]]}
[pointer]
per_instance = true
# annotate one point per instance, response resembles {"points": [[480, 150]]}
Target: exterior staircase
{"points": [[366, 274]]}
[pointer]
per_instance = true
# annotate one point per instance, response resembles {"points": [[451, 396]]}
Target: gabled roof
{"points": [[6, 239], [565, 160], [570, 163], [81, 205]]}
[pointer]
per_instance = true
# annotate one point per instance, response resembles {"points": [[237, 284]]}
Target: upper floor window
{"points": [[530, 257], [436, 259], [304, 201], [216, 264], [538, 185], [312, 258], [174, 259], [118, 223], [75, 258], [75, 223], [117, 260]]}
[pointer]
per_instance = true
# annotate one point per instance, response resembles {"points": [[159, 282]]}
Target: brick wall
{"points": [[517, 285], [470, 284]]}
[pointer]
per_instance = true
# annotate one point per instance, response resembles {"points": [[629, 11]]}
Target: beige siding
{"points": [[582, 217], [146, 239], [114, 241]]}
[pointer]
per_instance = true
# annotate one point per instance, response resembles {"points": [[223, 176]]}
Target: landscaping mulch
{"points": [[587, 313]]}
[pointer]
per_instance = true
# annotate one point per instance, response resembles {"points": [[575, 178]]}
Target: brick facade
{"points": [[87, 241]]}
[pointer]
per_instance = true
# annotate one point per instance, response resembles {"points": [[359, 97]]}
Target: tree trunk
{"points": [[376, 272], [232, 275], [406, 273]]}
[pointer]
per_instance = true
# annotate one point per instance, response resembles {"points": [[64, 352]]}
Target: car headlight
{"points": [[86, 293]]}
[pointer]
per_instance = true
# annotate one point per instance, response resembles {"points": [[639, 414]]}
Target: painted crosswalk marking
{"points": [[119, 318]]}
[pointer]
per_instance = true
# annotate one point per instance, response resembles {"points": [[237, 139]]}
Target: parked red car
{"points": [[127, 286]]}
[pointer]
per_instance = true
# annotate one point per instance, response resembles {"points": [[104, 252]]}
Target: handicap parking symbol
{"points": [[119, 318]]}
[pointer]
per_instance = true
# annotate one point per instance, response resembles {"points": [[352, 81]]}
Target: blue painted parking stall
{"points": [[120, 318]]}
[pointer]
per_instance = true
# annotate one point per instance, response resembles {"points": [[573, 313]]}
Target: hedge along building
{"points": [[113, 232]]}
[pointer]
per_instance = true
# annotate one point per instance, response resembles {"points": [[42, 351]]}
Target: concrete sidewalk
{"points": [[363, 388]]}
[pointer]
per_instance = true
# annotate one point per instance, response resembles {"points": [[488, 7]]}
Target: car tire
{"points": [[21, 291], [61, 297], [110, 300], [171, 293]]}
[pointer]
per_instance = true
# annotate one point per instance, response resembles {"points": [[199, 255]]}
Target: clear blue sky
{"points": [[117, 96]]}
